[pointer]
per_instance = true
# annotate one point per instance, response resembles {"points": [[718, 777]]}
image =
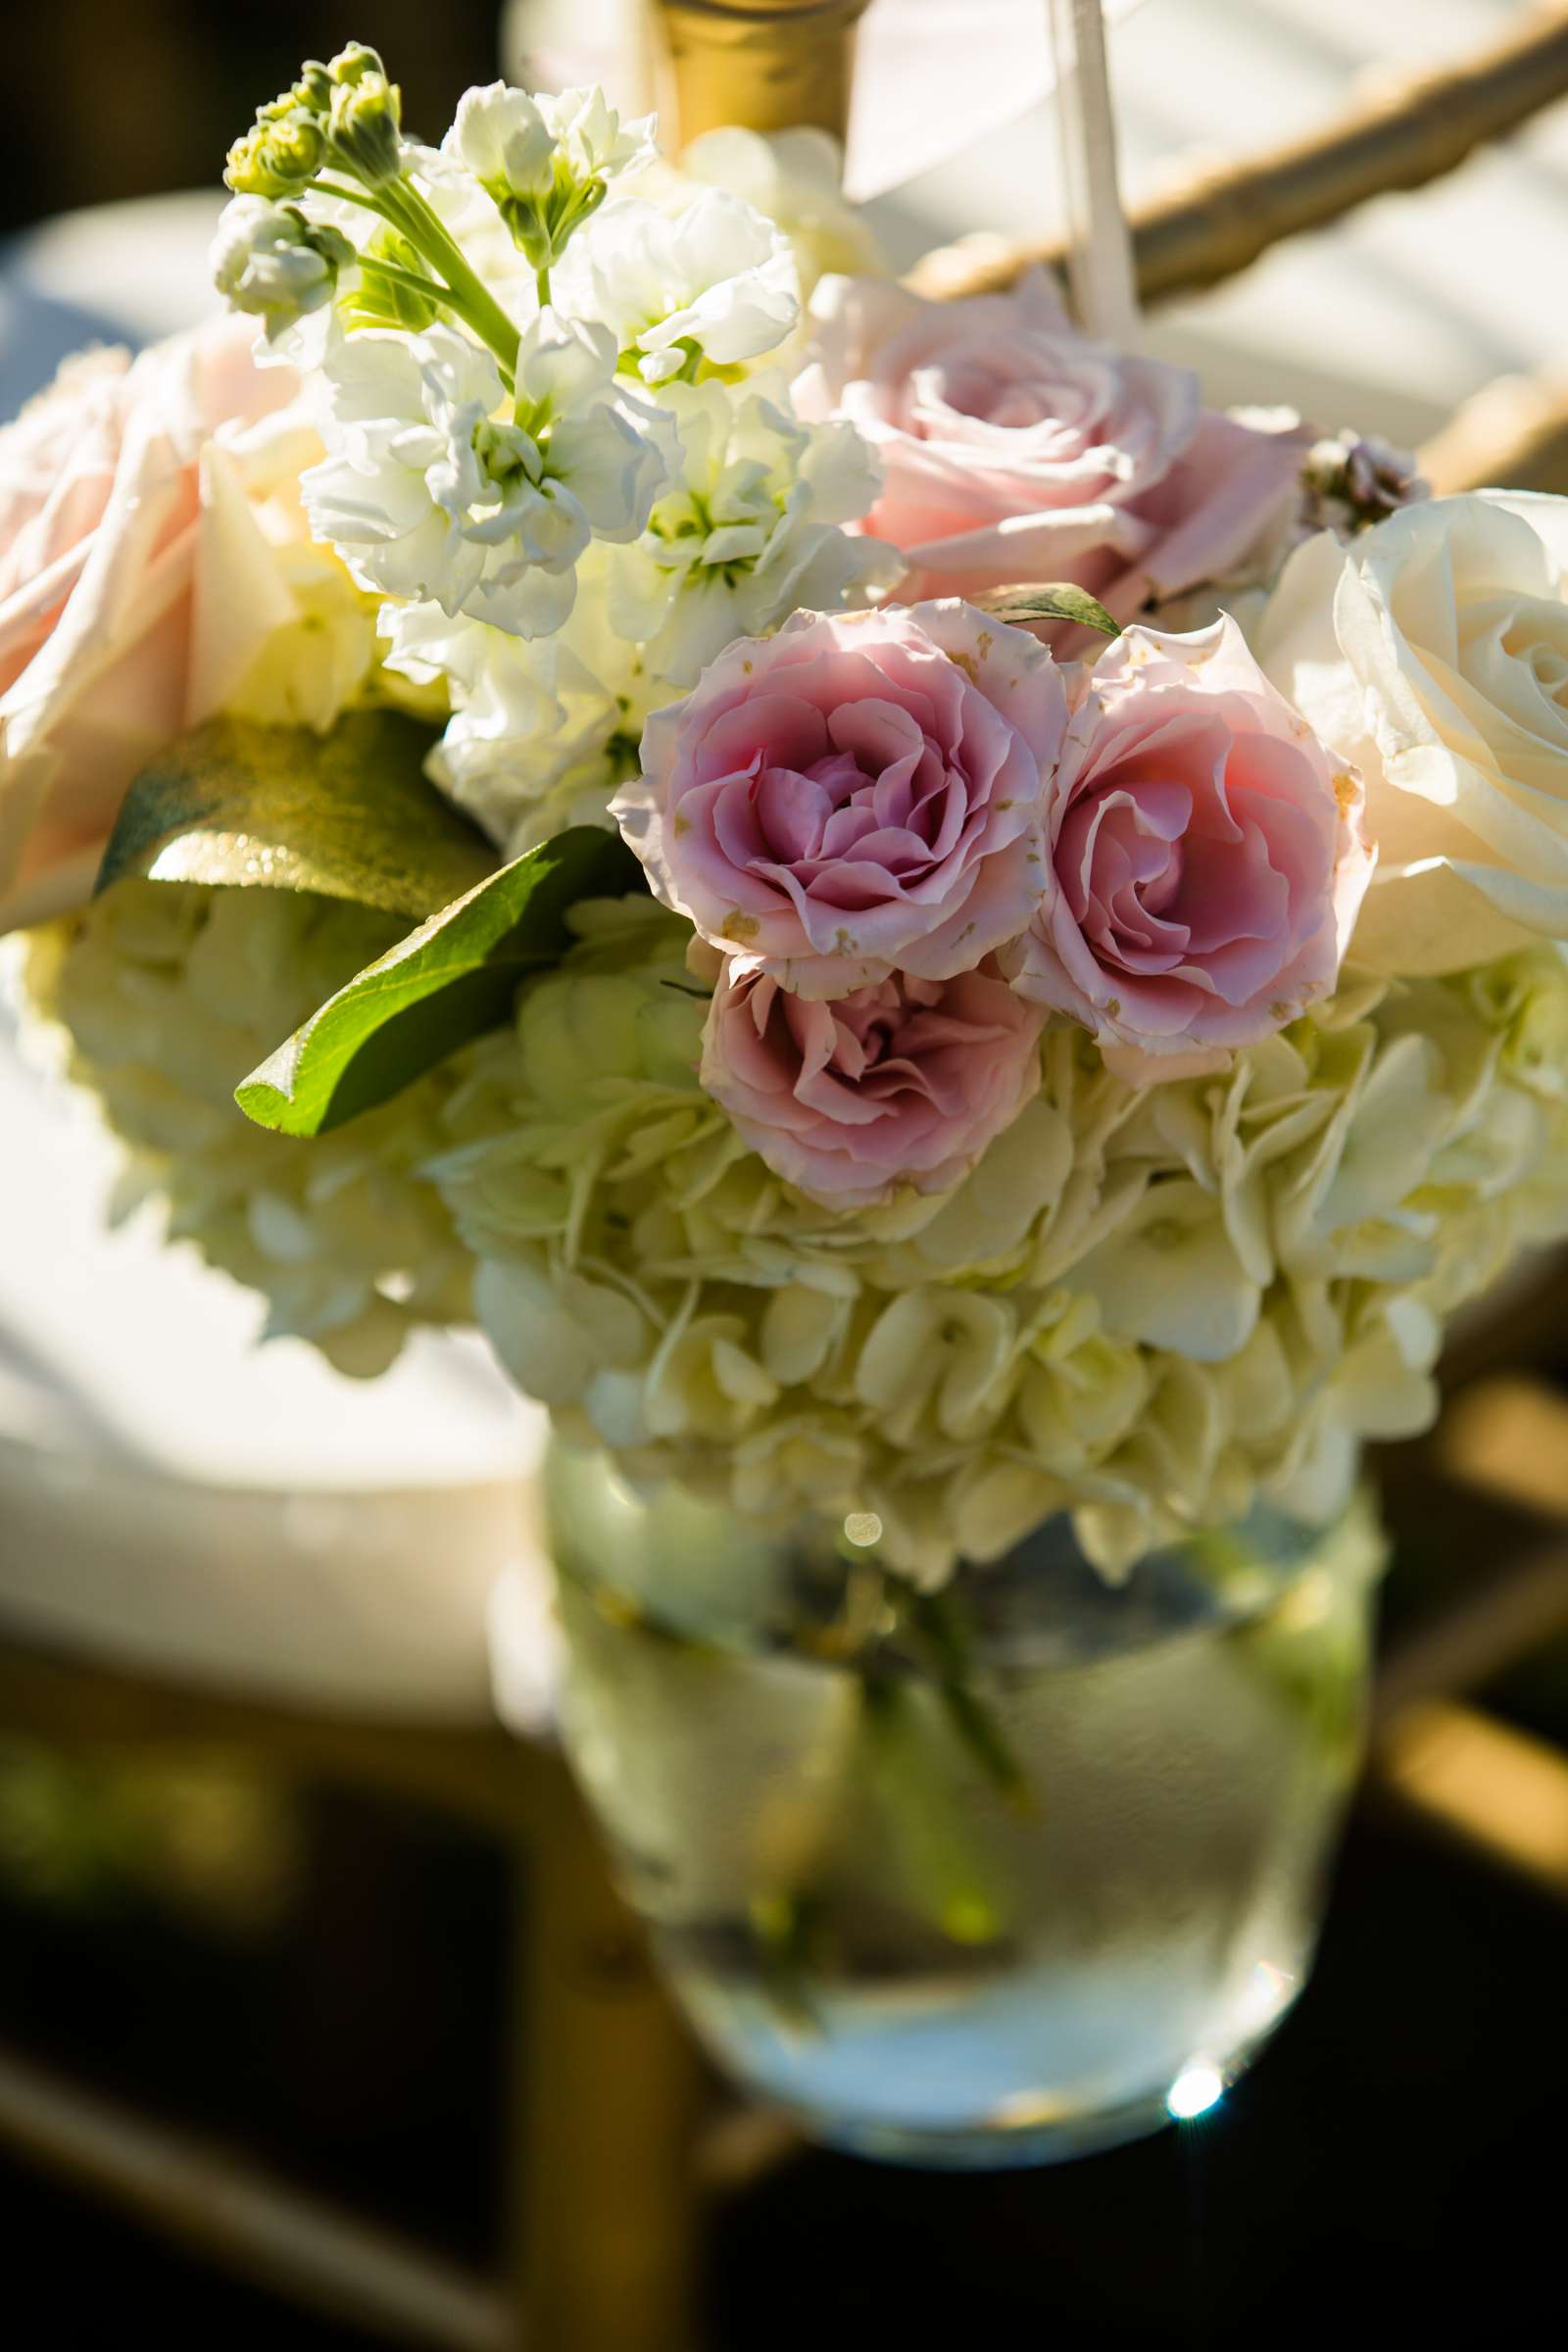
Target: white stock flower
{"points": [[751, 532], [591, 136], [499, 135], [795, 179], [545, 162], [792, 179], [439, 489], [716, 279], [542, 730], [273, 263]]}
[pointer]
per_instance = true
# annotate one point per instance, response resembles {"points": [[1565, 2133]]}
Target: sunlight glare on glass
{"points": [[1195, 2089]]}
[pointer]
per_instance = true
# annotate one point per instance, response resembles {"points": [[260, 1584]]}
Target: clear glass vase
{"points": [[991, 1876]]}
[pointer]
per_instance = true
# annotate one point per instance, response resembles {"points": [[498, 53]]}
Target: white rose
{"points": [[1432, 653]]}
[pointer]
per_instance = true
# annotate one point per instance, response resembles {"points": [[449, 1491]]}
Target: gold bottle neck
{"points": [[768, 64]]}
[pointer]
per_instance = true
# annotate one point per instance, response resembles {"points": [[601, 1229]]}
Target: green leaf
{"points": [[348, 814], [1060, 601], [453, 978]]}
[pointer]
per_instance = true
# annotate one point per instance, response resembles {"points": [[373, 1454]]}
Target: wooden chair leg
{"points": [[607, 2099]]}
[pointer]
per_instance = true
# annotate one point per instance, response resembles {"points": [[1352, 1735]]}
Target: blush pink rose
{"points": [[1208, 857], [903, 1082], [858, 795], [135, 585], [1015, 450]]}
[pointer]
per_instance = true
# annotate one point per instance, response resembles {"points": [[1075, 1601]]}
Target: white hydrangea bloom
{"points": [[717, 282], [750, 529], [161, 998], [1150, 1307], [438, 487]]}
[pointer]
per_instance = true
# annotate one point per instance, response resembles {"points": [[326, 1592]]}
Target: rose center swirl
{"points": [[857, 802]]}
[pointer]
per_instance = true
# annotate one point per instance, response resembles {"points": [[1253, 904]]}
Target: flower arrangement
{"points": [[919, 926]]}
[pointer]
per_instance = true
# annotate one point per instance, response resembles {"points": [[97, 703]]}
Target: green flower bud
{"points": [[530, 229], [366, 126], [280, 155], [357, 63], [541, 226], [313, 88]]}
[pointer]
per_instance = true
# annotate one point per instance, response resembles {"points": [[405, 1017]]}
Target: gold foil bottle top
{"points": [[766, 65]]}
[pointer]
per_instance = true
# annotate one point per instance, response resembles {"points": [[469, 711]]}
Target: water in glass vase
{"points": [[993, 1876]]}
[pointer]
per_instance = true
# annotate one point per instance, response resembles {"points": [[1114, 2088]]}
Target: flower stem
{"points": [[948, 1877], [942, 1623], [347, 195], [427, 286], [420, 224], [457, 288]]}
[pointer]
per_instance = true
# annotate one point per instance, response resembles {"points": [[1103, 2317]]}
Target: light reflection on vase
{"points": [[998, 1879]]}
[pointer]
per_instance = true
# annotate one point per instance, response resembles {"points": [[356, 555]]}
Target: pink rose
{"points": [[858, 795], [1208, 856], [903, 1082], [135, 585], [1014, 449]]}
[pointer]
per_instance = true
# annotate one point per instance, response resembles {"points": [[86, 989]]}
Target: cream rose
{"points": [[1431, 654], [152, 547]]}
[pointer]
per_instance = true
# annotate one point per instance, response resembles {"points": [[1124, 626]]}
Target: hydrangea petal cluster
{"points": [[160, 999], [1148, 1306], [856, 796], [1208, 857]]}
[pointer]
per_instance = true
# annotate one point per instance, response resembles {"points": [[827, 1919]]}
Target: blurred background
{"points": [[318, 2025]]}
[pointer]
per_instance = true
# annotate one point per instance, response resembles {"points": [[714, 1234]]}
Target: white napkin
{"points": [[933, 77]]}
